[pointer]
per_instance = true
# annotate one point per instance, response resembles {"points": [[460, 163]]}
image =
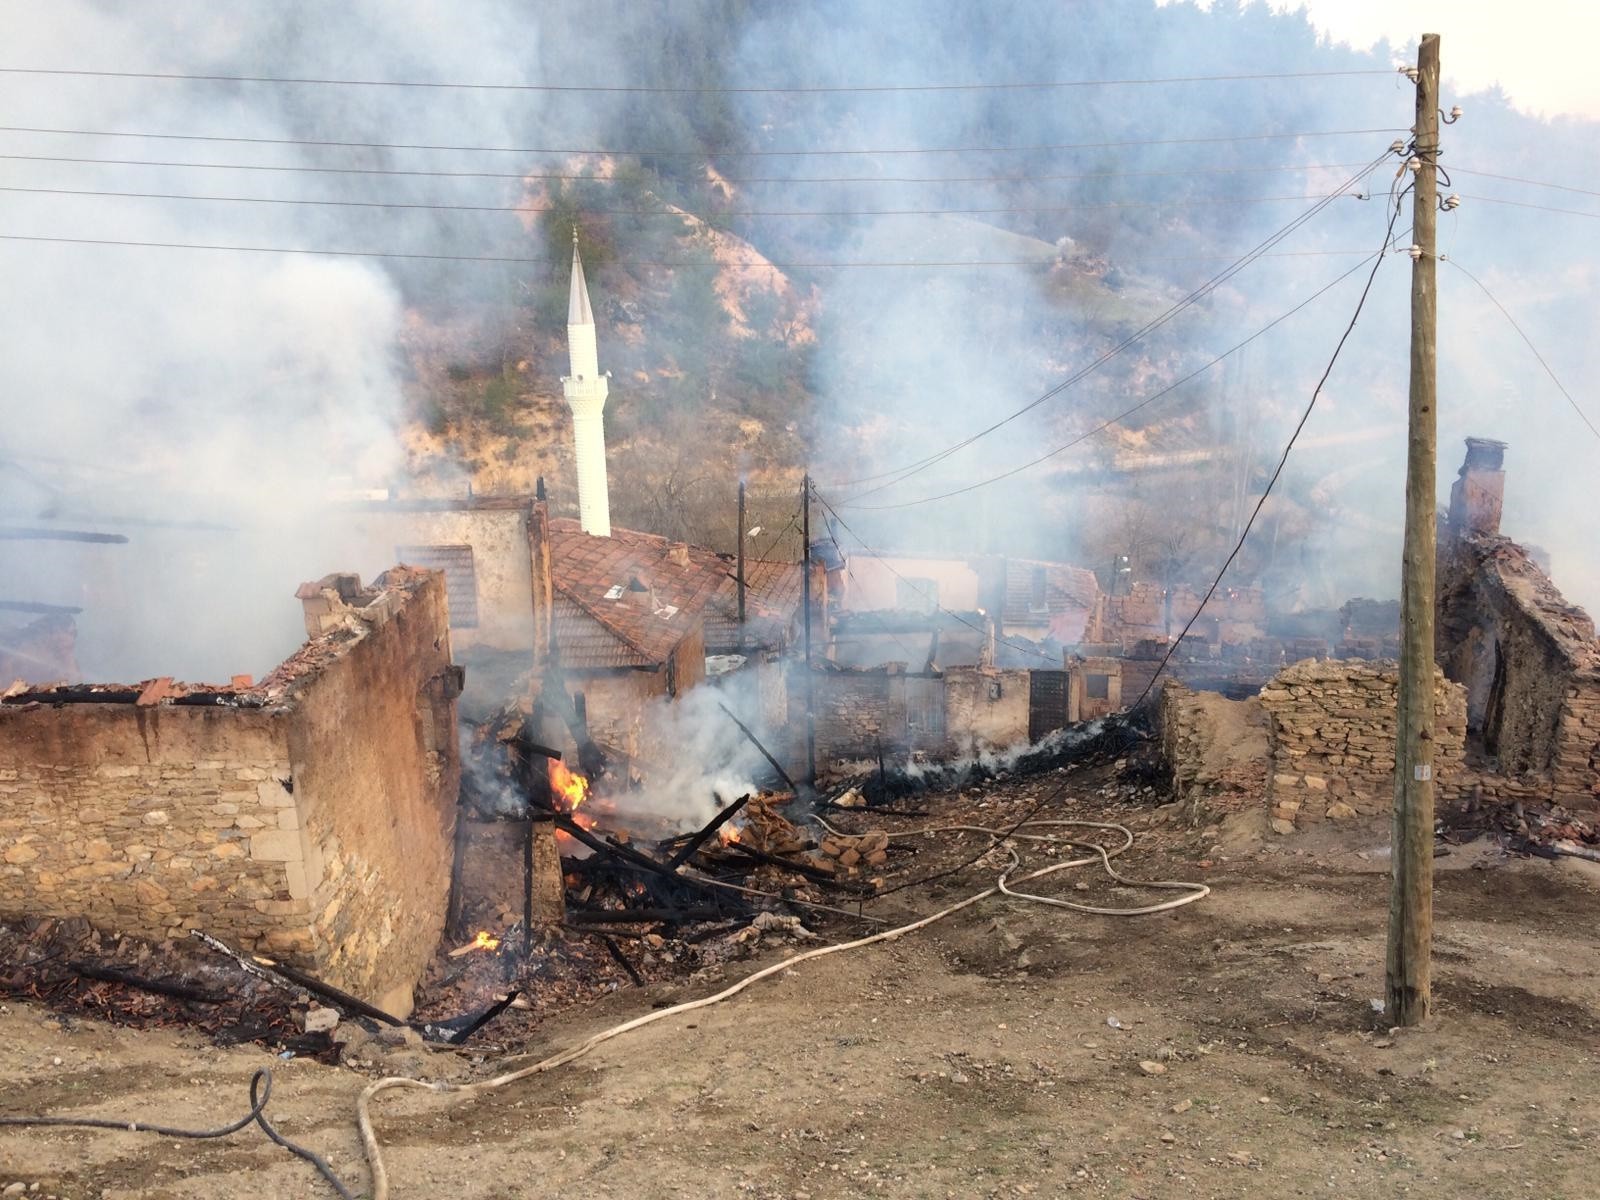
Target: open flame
{"points": [[485, 942], [572, 788], [727, 835]]}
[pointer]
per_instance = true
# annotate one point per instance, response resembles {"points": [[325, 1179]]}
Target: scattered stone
{"points": [[14, 1189], [320, 1020], [1150, 1067], [1280, 826], [1182, 1106]]}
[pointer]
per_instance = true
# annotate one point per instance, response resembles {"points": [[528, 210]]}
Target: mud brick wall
{"points": [[316, 828], [1331, 733]]}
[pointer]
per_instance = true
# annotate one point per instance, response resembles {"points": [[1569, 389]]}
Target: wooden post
{"points": [[740, 576], [1407, 982], [805, 599]]}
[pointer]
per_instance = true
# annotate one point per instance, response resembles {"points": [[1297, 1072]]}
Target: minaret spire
{"points": [[586, 390]]}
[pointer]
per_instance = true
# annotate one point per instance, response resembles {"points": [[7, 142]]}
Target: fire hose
{"points": [[261, 1082], [461, 1092]]}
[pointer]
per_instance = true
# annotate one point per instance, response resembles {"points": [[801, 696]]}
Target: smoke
{"points": [[205, 403], [699, 760]]}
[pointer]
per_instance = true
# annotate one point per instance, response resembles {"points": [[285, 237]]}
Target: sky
{"points": [[1540, 52]]}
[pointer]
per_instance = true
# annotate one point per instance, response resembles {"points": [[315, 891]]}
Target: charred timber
{"points": [[335, 996], [756, 742], [700, 838]]}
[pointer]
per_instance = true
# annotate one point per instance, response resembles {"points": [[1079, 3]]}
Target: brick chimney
{"points": [[1479, 490]]}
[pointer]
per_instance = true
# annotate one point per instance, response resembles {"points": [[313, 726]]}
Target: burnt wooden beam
{"points": [[756, 742], [335, 996], [622, 960], [700, 838], [177, 991]]}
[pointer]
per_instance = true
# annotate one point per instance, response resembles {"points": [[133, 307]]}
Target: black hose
{"points": [[260, 1093]]}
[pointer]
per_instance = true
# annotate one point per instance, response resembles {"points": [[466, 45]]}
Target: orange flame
{"points": [[571, 787], [727, 835], [485, 942]]}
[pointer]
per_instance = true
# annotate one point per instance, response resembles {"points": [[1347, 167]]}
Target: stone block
{"points": [[276, 845]]}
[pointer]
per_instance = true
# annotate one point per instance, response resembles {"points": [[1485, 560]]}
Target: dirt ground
{"points": [[996, 1054]]}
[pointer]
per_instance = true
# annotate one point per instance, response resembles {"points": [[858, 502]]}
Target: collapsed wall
{"points": [[308, 817], [1318, 742], [1528, 659]]}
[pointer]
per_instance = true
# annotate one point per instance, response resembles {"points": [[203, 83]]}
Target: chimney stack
{"points": [[1479, 490]]}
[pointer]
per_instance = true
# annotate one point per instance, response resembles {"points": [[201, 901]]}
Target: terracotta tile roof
{"points": [[629, 599]]}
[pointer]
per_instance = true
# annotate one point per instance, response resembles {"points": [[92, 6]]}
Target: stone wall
{"points": [[1216, 748], [943, 715], [1331, 738], [308, 817], [985, 709]]}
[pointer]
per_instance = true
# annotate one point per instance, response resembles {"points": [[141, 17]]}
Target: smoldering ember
{"points": [[797, 601]]}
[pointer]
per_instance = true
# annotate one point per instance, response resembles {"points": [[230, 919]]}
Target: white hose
{"points": [[1196, 891]]}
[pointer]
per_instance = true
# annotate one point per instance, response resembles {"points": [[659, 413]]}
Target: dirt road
{"points": [[974, 1059]]}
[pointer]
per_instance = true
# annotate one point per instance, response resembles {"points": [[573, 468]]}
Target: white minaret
{"points": [[586, 391]]}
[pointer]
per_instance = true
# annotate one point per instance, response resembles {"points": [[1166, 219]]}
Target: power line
{"points": [[668, 211], [1571, 212], [676, 265], [591, 178], [1026, 85], [905, 472], [1560, 187], [1361, 302], [955, 616], [1548, 370], [830, 153], [1126, 413]]}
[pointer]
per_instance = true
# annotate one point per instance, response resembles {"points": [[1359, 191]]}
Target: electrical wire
{"points": [[667, 210], [676, 265], [1527, 341], [260, 1093], [954, 616], [591, 178], [1127, 412], [1282, 461], [906, 471], [1570, 212], [870, 151], [1101, 854], [646, 90], [1544, 183]]}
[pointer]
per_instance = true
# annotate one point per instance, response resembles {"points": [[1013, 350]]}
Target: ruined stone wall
{"points": [[1331, 735], [1216, 748], [1529, 662], [145, 819], [616, 701], [310, 820], [376, 774], [973, 720]]}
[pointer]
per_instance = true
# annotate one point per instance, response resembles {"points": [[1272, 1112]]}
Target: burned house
{"points": [[307, 816], [1528, 659]]}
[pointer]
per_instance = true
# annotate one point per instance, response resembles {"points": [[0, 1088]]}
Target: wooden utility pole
{"points": [[1407, 986], [805, 600], [740, 575]]}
